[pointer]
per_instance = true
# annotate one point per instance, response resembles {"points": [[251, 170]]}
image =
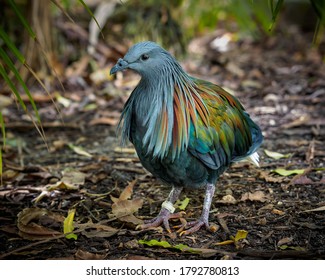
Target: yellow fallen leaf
{"points": [[285, 172], [68, 225], [80, 151], [183, 204], [276, 155], [64, 101], [241, 234], [226, 242]]}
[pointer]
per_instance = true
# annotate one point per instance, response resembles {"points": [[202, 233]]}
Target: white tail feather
{"points": [[254, 158]]}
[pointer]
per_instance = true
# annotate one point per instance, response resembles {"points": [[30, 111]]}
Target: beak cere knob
{"points": [[119, 66], [120, 62]]}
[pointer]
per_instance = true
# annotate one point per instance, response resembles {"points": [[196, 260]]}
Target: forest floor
{"points": [[281, 83]]}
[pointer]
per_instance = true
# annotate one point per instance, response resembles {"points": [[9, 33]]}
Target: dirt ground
{"points": [[281, 83]]}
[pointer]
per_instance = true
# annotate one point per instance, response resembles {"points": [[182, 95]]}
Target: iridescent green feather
{"points": [[227, 135]]}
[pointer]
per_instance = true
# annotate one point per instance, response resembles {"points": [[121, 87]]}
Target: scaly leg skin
{"points": [[166, 212], [204, 219]]}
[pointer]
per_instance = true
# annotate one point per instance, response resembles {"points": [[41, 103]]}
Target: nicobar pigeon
{"points": [[186, 131]]}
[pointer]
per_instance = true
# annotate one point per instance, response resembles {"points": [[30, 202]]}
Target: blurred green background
{"points": [[48, 33]]}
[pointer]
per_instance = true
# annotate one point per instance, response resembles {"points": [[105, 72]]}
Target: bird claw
{"points": [[196, 225], [163, 218]]}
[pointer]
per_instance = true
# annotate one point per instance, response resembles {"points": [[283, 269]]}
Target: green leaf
{"points": [[181, 247], [296, 248], [276, 155], [154, 242], [68, 225], [319, 169], [182, 204], [285, 172]]}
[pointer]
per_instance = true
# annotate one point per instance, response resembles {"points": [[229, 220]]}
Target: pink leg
{"points": [[165, 214], [204, 219]]}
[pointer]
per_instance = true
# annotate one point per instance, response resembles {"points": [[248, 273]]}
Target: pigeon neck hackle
{"points": [[166, 101]]}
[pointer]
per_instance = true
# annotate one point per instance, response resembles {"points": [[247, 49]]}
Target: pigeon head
{"points": [[145, 58]]}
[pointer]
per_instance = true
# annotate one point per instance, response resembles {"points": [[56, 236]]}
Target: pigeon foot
{"points": [[163, 218]]}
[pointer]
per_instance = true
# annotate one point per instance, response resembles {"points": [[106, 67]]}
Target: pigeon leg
{"points": [[204, 219], [166, 212]]}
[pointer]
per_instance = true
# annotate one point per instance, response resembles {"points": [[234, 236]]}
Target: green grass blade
{"points": [[11, 46], [271, 5], [275, 11], [3, 130], [318, 33], [92, 15], [12, 67], [22, 18], [1, 167], [66, 4], [319, 7], [63, 11], [40, 128], [13, 88], [22, 59], [39, 81]]}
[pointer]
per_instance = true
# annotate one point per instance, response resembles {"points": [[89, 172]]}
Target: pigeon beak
{"points": [[119, 66]]}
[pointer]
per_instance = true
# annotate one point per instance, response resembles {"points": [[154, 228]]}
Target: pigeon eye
{"points": [[144, 57]]}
